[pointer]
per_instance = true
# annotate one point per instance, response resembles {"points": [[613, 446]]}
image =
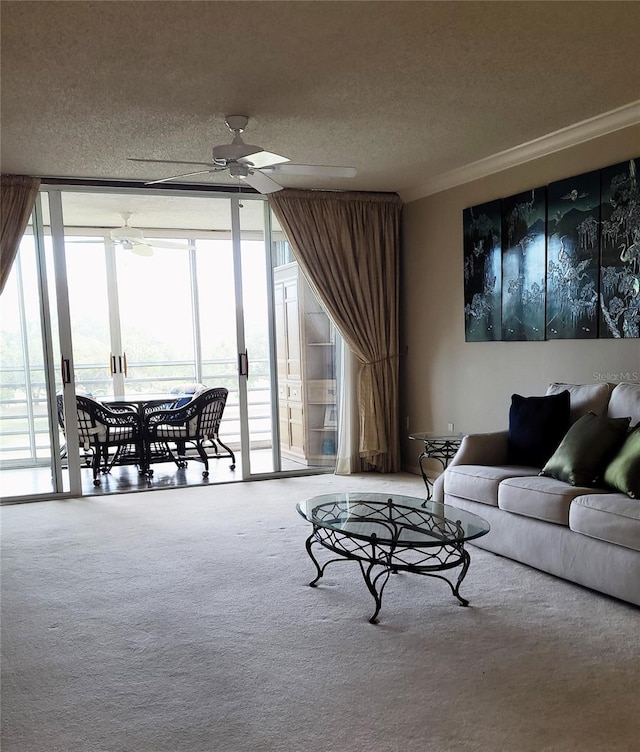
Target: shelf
{"points": [[306, 339]]}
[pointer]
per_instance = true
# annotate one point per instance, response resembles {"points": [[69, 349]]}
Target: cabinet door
{"points": [[281, 332], [285, 429], [292, 325], [296, 428]]}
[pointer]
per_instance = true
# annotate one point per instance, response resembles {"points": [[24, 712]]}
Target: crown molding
{"points": [[578, 133]]}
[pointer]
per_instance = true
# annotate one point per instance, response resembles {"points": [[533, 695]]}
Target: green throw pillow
{"points": [[623, 473], [586, 449]]}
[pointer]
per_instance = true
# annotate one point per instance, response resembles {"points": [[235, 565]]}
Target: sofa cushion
{"points": [[536, 428], [611, 517], [625, 400], [543, 498], [586, 450], [623, 472], [584, 398], [480, 482]]}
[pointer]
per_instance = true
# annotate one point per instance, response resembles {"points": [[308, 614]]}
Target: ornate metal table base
{"points": [[378, 558], [441, 448]]}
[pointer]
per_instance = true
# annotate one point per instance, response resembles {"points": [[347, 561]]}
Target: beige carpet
{"points": [[181, 621]]}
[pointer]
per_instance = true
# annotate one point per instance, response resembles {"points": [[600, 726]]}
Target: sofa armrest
{"points": [[476, 449]]}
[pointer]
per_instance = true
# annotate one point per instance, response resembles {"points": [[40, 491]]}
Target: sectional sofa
{"points": [[589, 535]]}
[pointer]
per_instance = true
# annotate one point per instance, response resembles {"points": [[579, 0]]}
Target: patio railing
{"points": [[24, 425]]}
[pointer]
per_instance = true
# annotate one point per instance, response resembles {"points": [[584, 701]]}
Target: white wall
{"points": [[446, 380]]}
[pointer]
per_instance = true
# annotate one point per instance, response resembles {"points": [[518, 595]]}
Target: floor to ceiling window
{"points": [[29, 437], [24, 418], [167, 290]]}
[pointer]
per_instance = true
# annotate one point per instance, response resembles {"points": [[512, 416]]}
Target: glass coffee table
{"points": [[388, 533]]}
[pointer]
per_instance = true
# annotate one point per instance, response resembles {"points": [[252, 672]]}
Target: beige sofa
{"points": [[590, 536]]}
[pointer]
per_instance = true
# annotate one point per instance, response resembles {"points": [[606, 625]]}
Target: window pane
{"points": [[217, 314], [156, 319], [89, 313]]}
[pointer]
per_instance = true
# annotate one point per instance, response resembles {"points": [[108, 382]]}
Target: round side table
{"points": [[441, 447]]}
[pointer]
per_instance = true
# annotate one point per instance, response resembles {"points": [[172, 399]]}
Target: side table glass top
{"points": [[439, 437]]}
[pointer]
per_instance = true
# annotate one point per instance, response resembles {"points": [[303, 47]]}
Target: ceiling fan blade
{"points": [[320, 170], [262, 183], [166, 244], [141, 249], [175, 177], [263, 159], [169, 161]]}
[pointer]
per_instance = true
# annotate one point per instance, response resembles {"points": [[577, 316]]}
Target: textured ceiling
{"points": [[402, 91]]}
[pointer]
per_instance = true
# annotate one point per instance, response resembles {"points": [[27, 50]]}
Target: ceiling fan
{"points": [[250, 163], [133, 239]]}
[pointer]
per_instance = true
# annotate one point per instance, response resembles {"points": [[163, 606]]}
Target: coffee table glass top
{"points": [[393, 518]]}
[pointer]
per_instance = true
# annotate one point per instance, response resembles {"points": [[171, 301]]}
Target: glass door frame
{"points": [[55, 198], [66, 346], [53, 342], [244, 363], [55, 189]]}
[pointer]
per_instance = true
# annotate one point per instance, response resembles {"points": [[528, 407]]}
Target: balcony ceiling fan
{"points": [[133, 239], [248, 162]]}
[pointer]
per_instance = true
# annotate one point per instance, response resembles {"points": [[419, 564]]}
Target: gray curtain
{"points": [[348, 246], [16, 204]]}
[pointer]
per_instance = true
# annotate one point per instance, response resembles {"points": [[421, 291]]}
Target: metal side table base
{"points": [[442, 447]]}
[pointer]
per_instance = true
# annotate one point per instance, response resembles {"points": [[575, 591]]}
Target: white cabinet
{"points": [[305, 342]]}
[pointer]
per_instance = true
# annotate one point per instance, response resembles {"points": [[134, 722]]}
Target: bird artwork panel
{"points": [[573, 224], [482, 272], [620, 251], [524, 265]]}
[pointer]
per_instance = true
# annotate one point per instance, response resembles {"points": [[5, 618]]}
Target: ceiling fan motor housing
{"points": [[234, 151], [127, 233]]}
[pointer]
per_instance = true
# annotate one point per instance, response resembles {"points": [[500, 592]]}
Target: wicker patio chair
{"points": [[102, 428], [166, 432]]}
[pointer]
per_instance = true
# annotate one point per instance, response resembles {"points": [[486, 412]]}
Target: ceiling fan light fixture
{"points": [[238, 170]]}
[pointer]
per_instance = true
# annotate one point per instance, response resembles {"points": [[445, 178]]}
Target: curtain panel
{"points": [[16, 204], [348, 246]]}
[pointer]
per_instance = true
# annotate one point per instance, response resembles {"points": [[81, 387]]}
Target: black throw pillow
{"points": [[584, 453], [537, 425]]}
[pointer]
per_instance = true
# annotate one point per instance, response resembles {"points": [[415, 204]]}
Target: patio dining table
{"points": [[140, 402]]}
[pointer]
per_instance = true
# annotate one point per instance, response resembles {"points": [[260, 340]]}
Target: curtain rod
{"points": [[102, 183]]}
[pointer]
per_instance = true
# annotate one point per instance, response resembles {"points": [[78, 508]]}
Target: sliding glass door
{"points": [[31, 452], [154, 293]]}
